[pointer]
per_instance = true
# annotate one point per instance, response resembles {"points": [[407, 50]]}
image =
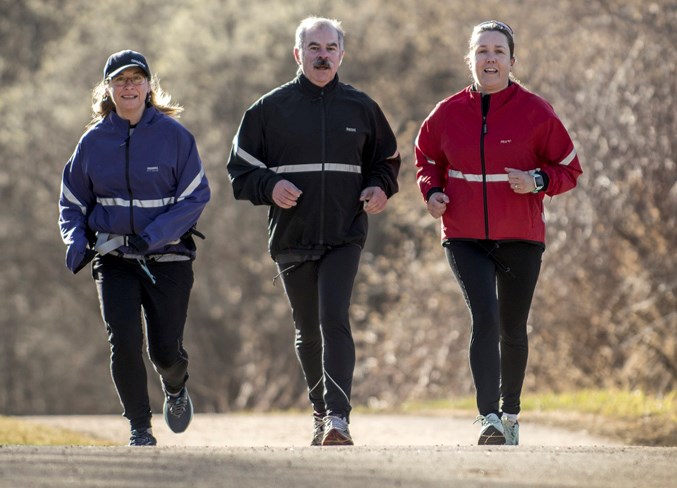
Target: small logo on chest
{"points": [[351, 129], [506, 141], [152, 169]]}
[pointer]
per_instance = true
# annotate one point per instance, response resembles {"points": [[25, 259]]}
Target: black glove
{"points": [[137, 242], [89, 255]]}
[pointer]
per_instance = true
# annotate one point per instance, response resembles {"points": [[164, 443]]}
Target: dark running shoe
{"points": [[178, 411], [336, 432], [318, 430], [491, 433], [142, 437]]}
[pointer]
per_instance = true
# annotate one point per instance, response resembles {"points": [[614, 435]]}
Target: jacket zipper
{"points": [[485, 109], [129, 184], [323, 176]]}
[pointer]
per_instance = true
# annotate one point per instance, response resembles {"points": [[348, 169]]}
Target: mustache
{"points": [[322, 63]]}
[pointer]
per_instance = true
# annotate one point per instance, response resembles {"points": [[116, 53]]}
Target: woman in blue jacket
{"points": [[131, 195]]}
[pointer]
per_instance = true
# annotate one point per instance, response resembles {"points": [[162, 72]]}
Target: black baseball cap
{"points": [[122, 60]]}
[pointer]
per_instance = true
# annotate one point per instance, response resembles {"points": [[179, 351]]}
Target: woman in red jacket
{"points": [[486, 157]]}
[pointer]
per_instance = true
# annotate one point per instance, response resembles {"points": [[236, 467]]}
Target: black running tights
{"points": [[319, 294], [498, 280], [125, 292]]}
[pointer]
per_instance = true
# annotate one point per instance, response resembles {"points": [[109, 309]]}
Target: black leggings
{"points": [[498, 280], [124, 292], [319, 295]]}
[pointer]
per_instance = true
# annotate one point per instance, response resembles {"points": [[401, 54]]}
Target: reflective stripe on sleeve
{"points": [[73, 199], [193, 185], [241, 153], [566, 161]]}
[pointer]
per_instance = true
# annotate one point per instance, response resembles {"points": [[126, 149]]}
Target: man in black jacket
{"points": [[322, 155]]}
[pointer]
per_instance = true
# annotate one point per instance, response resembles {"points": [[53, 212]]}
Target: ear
{"points": [[297, 56]]}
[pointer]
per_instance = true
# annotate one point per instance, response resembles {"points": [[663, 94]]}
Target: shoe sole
{"points": [[143, 445], [335, 438], [491, 437], [511, 442]]}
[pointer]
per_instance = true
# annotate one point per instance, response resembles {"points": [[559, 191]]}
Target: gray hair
{"points": [[311, 22]]}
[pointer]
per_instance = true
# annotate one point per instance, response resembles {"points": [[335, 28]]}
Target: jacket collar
{"points": [[309, 88], [122, 124], [498, 99]]}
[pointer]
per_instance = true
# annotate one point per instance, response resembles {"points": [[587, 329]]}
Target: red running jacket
{"points": [[459, 152]]}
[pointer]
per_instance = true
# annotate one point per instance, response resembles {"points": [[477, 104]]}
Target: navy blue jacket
{"points": [[151, 183]]}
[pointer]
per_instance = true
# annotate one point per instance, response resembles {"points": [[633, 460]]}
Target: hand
{"points": [[286, 194], [138, 243], [521, 182], [374, 199], [437, 204]]}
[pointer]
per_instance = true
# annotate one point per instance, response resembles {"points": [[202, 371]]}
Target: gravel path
{"points": [[290, 430], [271, 450]]}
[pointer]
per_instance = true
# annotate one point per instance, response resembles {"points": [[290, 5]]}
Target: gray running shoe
{"points": [[318, 430], [511, 431], [178, 411], [492, 432], [142, 438], [336, 432]]}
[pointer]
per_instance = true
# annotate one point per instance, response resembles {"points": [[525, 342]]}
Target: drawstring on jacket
{"points": [[501, 265], [144, 267]]}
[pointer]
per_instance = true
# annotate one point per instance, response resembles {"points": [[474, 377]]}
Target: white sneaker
{"points": [[511, 430], [492, 432], [318, 430]]}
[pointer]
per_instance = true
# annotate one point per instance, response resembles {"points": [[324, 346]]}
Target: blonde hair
{"points": [[102, 105]]}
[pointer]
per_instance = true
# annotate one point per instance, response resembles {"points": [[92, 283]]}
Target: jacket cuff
{"points": [[546, 180], [434, 189]]}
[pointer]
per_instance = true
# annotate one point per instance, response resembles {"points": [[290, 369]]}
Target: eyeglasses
{"points": [[136, 79], [495, 24]]}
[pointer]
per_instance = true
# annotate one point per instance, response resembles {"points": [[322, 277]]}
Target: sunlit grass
{"points": [[14, 431], [612, 403]]}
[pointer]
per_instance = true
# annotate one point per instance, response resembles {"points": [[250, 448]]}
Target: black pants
{"points": [[319, 294], [125, 290], [498, 282]]}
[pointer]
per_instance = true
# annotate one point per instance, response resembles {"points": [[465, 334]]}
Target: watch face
{"points": [[538, 182]]}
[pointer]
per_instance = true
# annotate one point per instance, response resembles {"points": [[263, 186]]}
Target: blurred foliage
{"points": [[604, 315]]}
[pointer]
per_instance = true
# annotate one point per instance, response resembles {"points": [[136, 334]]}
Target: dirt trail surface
{"points": [[391, 450]]}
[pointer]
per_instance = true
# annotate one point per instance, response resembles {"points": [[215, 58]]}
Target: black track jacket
{"points": [[331, 142]]}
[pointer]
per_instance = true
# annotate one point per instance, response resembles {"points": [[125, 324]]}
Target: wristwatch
{"points": [[538, 182]]}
